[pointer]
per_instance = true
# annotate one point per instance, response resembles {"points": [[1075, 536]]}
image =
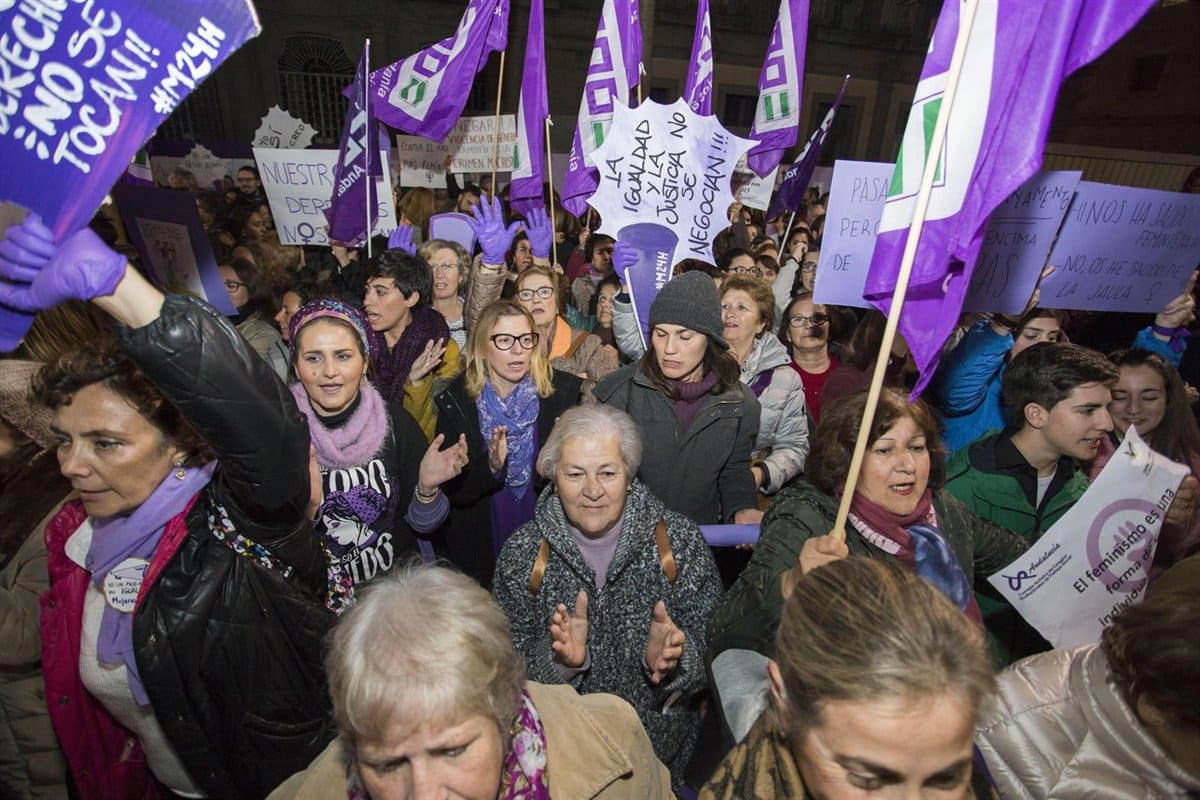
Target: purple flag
{"points": [[424, 94], [697, 90], [86, 86], [777, 116], [358, 165], [614, 70], [796, 179], [1017, 57], [529, 153]]}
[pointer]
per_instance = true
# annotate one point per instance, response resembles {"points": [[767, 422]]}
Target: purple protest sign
{"points": [[777, 116], [1123, 249], [697, 88], [165, 229], [856, 197], [525, 193], [1017, 240], [453, 227], [85, 87]]}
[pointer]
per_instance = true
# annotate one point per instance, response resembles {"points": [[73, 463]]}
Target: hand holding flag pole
{"points": [[967, 20]]}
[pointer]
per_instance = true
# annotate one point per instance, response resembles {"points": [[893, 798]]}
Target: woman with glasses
{"points": [[505, 402], [450, 264], [250, 293], [804, 330], [781, 447], [570, 349]]}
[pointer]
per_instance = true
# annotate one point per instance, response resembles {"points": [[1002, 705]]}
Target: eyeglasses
{"points": [[233, 286], [755, 271], [740, 308], [443, 267], [544, 293], [808, 266], [505, 341], [803, 321]]}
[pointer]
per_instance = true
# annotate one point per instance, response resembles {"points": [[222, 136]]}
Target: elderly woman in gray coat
{"points": [[606, 589]]}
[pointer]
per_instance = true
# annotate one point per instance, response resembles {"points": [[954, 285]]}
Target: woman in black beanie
{"points": [[697, 419]]}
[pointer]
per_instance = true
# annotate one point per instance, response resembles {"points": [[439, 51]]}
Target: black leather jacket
{"points": [[228, 649]]}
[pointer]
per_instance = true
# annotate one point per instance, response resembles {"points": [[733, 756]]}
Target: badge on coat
{"points": [[123, 582]]}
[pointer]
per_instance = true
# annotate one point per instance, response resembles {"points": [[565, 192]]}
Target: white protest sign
{"points": [[422, 162], [299, 186], [1095, 560], [856, 201], [210, 170], [281, 131], [753, 191], [472, 143]]}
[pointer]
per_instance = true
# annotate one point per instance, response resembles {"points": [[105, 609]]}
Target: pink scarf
{"points": [[354, 443]]}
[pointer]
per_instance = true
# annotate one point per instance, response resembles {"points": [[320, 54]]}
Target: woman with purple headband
{"points": [[379, 487]]}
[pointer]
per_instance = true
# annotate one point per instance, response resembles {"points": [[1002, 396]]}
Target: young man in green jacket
{"points": [[1025, 477]]}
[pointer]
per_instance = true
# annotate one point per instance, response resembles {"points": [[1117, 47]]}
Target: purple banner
{"points": [[1124, 249], [85, 84], [525, 192], [697, 90], [358, 165], [165, 229], [613, 71], [1021, 53], [424, 94], [797, 178], [777, 116]]}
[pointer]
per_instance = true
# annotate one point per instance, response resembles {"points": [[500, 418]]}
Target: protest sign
{"points": [[856, 201], [299, 187], [753, 191], [85, 84], [422, 162], [1096, 559], [472, 143], [664, 189], [165, 229], [1124, 249], [1017, 241], [280, 130], [453, 227]]}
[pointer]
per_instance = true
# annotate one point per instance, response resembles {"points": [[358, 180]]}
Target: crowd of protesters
{"points": [[430, 523]]}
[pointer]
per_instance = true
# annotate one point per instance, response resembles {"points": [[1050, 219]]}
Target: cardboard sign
{"points": [[165, 229], [299, 185], [422, 162], [856, 200], [1124, 249], [472, 142], [85, 84], [1096, 559], [280, 130]]}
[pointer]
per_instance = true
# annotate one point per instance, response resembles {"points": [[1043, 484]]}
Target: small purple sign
{"points": [[1124, 249]]}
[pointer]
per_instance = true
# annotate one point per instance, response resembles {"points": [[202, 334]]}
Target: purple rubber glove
{"points": [[13, 327], [25, 250], [541, 233], [84, 268], [487, 222], [623, 258], [402, 239]]}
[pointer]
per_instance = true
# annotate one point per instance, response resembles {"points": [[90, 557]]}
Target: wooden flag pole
{"points": [[550, 181], [496, 147], [787, 232], [966, 21], [369, 181]]}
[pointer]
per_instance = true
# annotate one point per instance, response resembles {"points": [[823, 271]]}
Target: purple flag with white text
{"points": [[777, 116], [424, 94], [1017, 57], [358, 165], [697, 89], [526, 193], [795, 181], [613, 72]]}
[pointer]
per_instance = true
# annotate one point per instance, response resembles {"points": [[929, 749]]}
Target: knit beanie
{"points": [[333, 309], [690, 300]]}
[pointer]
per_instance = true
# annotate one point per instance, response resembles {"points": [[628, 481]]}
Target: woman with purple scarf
{"points": [[181, 633], [505, 402], [371, 455]]}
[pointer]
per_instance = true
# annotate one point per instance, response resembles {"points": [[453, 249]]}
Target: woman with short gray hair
{"points": [[608, 591], [430, 700]]}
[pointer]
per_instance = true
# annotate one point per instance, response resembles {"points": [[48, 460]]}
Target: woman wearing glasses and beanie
{"points": [[505, 402]]}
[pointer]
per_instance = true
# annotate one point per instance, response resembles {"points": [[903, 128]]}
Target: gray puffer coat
{"points": [[782, 442]]}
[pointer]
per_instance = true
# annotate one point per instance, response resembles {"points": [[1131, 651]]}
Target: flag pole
{"points": [[370, 139], [550, 180], [966, 21], [496, 147], [787, 231]]}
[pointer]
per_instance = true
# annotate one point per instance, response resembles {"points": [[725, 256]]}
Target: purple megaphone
{"points": [[655, 246]]}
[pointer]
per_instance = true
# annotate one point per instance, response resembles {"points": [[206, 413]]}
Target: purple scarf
{"points": [[353, 443], [136, 536], [392, 367], [689, 397], [518, 412]]}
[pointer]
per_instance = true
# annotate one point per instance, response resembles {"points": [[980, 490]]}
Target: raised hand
{"points": [[623, 258], [498, 448], [83, 268], [1180, 312], [438, 466], [428, 361], [487, 223], [568, 632], [664, 645], [541, 232], [402, 239]]}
